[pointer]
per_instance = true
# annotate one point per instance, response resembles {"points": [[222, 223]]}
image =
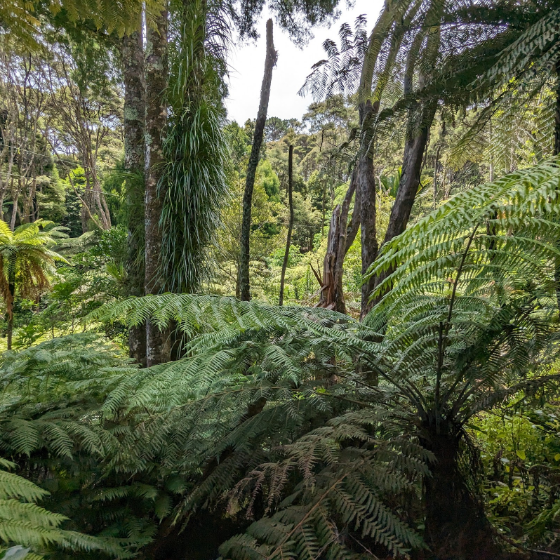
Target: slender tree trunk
{"points": [[436, 175], [28, 212], [556, 150], [134, 157], [270, 61], [369, 109], [364, 173], [14, 211], [87, 211], [10, 330], [290, 225], [157, 341]]}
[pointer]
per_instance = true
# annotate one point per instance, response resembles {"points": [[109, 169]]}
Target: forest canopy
{"points": [[331, 336]]}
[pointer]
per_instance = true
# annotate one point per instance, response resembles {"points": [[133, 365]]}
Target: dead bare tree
{"points": [[290, 223], [270, 62]]}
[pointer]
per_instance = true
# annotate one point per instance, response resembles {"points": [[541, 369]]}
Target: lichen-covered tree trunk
{"points": [[270, 61], [366, 191], [134, 148], [157, 341]]}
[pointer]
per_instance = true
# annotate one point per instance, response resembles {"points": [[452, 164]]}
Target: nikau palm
{"points": [[25, 263]]}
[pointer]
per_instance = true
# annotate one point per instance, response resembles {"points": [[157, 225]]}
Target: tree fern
{"points": [[25, 523], [330, 435], [50, 402], [271, 406]]}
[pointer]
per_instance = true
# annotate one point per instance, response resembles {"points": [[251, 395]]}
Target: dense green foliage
{"points": [[428, 429]]}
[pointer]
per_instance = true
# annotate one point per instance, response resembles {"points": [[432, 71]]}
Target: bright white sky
{"points": [[294, 64]]}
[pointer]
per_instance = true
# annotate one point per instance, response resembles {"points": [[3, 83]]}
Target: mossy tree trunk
{"points": [[270, 61], [157, 341], [134, 157]]}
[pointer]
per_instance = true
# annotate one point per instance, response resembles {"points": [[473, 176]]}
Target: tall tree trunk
{"points": [[436, 164], [10, 330], [134, 157], [556, 152], [420, 118], [402, 13], [14, 211], [290, 224], [10, 302], [270, 61], [410, 178], [366, 192], [157, 341], [28, 213], [365, 207], [87, 210], [456, 526]]}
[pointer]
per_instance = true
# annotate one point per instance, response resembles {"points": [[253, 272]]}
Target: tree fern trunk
{"points": [[134, 146], [157, 342], [290, 225], [456, 525], [270, 61]]}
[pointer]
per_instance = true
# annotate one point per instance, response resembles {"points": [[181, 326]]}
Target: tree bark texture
{"points": [[556, 149], [366, 191], [157, 341], [410, 178], [290, 224], [10, 314], [134, 158], [270, 61]]}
